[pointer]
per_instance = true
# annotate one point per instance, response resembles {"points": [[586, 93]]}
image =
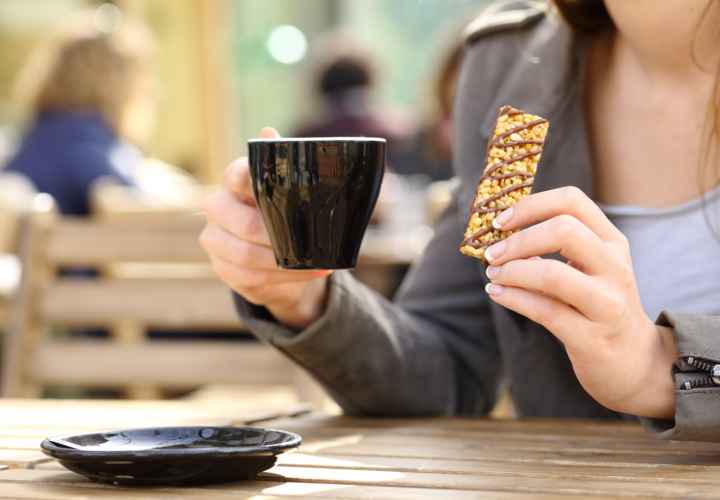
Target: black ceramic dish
{"points": [[171, 455]]}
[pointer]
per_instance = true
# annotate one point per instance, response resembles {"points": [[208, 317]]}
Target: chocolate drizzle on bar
{"points": [[501, 142]]}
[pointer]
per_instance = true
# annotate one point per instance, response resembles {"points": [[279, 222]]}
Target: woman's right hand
{"points": [[237, 241]]}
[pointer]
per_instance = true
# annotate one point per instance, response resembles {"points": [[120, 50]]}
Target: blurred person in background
{"points": [[91, 93], [346, 82]]}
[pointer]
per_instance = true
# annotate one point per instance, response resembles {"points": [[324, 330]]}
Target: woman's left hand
{"points": [[591, 303]]}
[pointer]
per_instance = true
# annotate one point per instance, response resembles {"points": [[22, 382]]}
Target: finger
{"points": [[564, 234], [237, 179], [219, 243], [553, 278], [553, 314], [241, 278], [548, 204], [236, 218], [257, 263], [269, 133], [237, 175]]}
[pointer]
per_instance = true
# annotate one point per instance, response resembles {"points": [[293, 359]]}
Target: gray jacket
{"points": [[442, 347]]}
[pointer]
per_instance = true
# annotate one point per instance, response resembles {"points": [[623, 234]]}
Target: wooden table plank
{"points": [[392, 459], [497, 450], [23, 458], [482, 466], [439, 425], [323, 432], [558, 484], [35, 485]]}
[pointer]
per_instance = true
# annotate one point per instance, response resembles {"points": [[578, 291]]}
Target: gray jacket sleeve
{"points": [[433, 351], [697, 409]]}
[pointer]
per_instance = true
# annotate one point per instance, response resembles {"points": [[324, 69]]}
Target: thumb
{"points": [[269, 133]]}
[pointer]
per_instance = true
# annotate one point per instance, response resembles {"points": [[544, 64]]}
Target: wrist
{"points": [[305, 307], [657, 399]]}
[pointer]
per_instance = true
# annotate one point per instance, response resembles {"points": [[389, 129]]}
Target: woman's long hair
{"points": [[584, 16], [80, 67]]}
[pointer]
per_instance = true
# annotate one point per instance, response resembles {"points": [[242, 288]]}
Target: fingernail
{"points": [[492, 272], [493, 289], [495, 251], [503, 218]]}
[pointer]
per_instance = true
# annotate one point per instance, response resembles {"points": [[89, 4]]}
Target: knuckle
{"points": [[623, 244], [236, 175], [209, 203], [626, 275], [517, 244], [619, 266], [244, 253], [226, 272], [615, 309], [571, 195], [205, 238], [247, 224], [565, 226], [236, 163], [228, 173], [544, 314], [551, 277]]}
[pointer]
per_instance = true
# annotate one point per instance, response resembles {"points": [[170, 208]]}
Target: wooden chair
{"points": [[150, 275], [17, 194]]}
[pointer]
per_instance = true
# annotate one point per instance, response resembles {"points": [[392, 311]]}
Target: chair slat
{"points": [[81, 243], [184, 364], [161, 303]]}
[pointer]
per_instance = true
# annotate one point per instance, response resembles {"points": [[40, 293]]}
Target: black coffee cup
{"points": [[316, 196]]}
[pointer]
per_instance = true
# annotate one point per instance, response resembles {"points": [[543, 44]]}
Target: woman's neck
{"points": [[648, 83], [676, 39]]}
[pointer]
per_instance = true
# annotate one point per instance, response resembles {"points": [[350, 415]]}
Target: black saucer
{"points": [[171, 455]]}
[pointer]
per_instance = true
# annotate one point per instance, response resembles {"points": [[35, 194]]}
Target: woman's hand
{"points": [[591, 303], [238, 244]]}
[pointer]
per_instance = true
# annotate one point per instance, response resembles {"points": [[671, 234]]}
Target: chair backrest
{"points": [[16, 196], [149, 275]]}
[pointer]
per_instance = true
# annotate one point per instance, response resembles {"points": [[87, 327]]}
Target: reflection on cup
{"points": [[316, 196]]}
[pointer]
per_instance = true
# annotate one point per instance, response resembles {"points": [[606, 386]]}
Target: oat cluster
{"points": [[510, 166]]}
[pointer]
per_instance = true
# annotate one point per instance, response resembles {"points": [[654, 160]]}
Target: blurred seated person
{"points": [[345, 82], [89, 93]]}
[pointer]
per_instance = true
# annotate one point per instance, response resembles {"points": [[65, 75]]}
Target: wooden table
{"points": [[391, 459]]}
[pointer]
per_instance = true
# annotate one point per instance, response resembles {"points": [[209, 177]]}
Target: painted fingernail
{"points": [[503, 218], [492, 272], [493, 289], [495, 251]]}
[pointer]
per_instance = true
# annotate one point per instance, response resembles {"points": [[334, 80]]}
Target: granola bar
{"points": [[512, 156]]}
